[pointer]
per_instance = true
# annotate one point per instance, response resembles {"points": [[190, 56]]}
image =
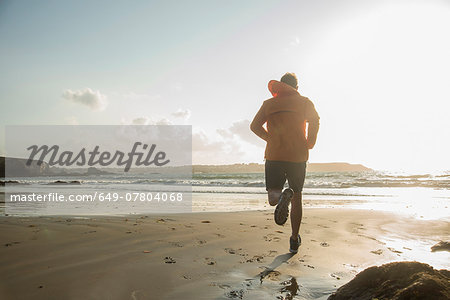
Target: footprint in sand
{"points": [[235, 294], [357, 229], [270, 237], [377, 252], [210, 261], [357, 224], [230, 251], [335, 276], [10, 244], [258, 258], [169, 260], [221, 285], [269, 274], [324, 244], [394, 250], [371, 238], [164, 220], [205, 222], [233, 251], [176, 244]]}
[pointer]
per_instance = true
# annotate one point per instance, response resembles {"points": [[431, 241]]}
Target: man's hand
{"points": [[259, 130], [310, 144]]}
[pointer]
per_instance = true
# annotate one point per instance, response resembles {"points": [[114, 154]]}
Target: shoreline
{"points": [[204, 255], [417, 203]]}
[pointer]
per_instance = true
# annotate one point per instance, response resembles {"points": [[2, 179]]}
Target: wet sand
{"points": [[205, 255]]}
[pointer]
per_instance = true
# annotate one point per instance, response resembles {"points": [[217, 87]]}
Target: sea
{"points": [[422, 196]]}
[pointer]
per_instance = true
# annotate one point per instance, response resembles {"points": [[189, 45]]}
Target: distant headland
{"points": [[258, 168], [17, 168]]}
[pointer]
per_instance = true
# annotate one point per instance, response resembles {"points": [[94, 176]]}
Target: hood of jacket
{"points": [[278, 88]]}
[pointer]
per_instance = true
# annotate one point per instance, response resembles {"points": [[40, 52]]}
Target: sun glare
{"points": [[388, 73]]}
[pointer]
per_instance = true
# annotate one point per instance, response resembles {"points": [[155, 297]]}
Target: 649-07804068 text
{"points": [[99, 196]]}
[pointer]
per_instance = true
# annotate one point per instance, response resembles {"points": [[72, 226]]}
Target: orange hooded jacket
{"points": [[286, 115]]}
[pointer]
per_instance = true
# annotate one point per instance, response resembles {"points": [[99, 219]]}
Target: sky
{"points": [[376, 71]]}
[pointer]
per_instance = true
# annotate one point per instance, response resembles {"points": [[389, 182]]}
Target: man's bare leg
{"points": [[273, 196], [296, 214]]}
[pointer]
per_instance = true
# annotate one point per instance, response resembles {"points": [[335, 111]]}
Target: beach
{"points": [[210, 255], [143, 143]]}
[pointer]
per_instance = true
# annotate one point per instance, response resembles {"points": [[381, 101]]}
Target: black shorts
{"points": [[278, 171]]}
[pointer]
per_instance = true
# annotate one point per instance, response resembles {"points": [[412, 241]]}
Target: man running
{"points": [[292, 126]]}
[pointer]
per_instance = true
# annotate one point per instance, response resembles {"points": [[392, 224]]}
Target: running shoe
{"points": [[295, 244], [282, 210]]}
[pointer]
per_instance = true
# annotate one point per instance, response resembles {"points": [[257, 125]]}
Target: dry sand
{"points": [[202, 255]]}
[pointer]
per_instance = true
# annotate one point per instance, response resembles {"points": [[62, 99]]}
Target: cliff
{"points": [[17, 167]]}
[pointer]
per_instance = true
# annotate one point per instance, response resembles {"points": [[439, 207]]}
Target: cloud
{"points": [[92, 99], [147, 121], [140, 121], [225, 133], [201, 143], [242, 130], [163, 121], [182, 113], [208, 151]]}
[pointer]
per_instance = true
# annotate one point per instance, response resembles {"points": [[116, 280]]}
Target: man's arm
{"points": [[312, 117], [257, 124], [313, 128]]}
